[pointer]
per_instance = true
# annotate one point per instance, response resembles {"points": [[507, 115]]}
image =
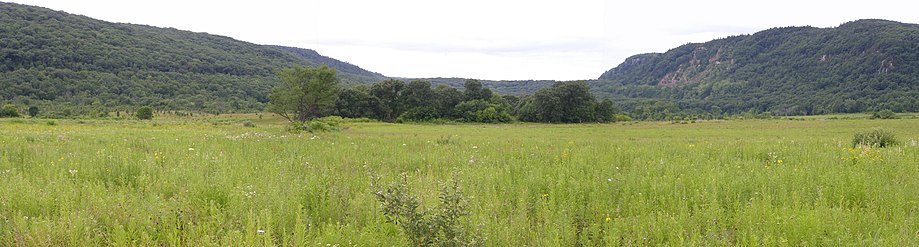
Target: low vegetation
{"points": [[875, 137], [210, 181], [144, 113]]}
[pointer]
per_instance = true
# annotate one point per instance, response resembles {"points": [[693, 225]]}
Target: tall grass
{"points": [[176, 182]]}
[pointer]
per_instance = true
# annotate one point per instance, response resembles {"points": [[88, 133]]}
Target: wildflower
{"points": [[475, 147], [779, 161], [260, 231], [72, 172], [608, 219], [609, 179], [191, 149]]}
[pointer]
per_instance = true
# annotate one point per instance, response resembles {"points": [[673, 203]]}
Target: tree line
{"points": [[308, 93]]}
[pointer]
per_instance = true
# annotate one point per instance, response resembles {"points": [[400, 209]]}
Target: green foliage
{"points": [[418, 114], [249, 124], [860, 66], [445, 100], [565, 102], [389, 93], [475, 91], [144, 113], [33, 111], [605, 111], [884, 114], [875, 137], [58, 58], [713, 183], [9, 110], [439, 226], [418, 93], [304, 93], [316, 125], [481, 111], [357, 102]]}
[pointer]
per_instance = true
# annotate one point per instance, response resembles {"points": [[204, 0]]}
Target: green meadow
{"points": [[215, 182]]}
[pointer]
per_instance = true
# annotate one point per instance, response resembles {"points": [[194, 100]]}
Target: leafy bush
{"points": [[144, 113], [248, 124], [33, 111], [875, 137], [418, 114], [9, 111], [316, 125], [884, 114], [439, 226], [622, 118], [482, 112]]}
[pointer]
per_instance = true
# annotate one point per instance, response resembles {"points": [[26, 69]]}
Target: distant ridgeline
{"points": [[55, 59], [62, 61], [860, 66]]}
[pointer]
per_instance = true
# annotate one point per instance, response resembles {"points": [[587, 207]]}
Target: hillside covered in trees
{"points": [[56, 59], [865, 65]]}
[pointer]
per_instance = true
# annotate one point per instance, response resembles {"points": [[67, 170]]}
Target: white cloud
{"points": [[484, 39]]}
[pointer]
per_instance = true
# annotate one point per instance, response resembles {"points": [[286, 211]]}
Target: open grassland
{"points": [[215, 182]]}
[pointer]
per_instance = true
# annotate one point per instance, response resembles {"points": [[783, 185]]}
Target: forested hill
{"points": [[54, 58], [864, 65]]}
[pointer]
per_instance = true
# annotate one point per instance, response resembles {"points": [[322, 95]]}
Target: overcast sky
{"points": [[485, 39]]}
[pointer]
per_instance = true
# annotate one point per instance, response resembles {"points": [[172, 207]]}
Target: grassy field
{"points": [[212, 181]]}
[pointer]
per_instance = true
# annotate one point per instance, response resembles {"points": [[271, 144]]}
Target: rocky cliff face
{"points": [[790, 55]]}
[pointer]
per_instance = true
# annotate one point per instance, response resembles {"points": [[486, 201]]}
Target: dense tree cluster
{"points": [[395, 100]]}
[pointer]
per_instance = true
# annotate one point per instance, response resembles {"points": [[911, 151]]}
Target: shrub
{"points": [[9, 111], [33, 111], [317, 125], [439, 226], [144, 113], [249, 124], [875, 137], [622, 118], [884, 114]]}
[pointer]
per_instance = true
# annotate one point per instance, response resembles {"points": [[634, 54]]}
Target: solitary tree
{"points": [[304, 93]]}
